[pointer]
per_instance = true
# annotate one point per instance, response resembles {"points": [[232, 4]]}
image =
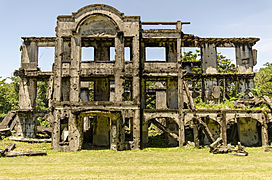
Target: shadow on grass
{"points": [[89, 146], [159, 141]]}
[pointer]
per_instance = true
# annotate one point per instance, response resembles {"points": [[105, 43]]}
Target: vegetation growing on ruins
{"points": [[9, 87], [9, 95], [263, 81]]}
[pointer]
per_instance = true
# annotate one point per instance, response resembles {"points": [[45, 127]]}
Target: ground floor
{"points": [[75, 128]]}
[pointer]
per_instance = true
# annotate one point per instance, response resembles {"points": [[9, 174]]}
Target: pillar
{"points": [[136, 129], [171, 52], [244, 58], [101, 52], [209, 66], [114, 133], [29, 56], [180, 92], [58, 69], [102, 89], [172, 93], [160, 96], [75, 137], [75, 68], [223, 128], [244, 63], [264, 134], [119, 66]]}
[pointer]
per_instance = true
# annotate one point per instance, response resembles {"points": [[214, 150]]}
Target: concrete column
{"points": [[160, 96], [244, 63], [66, 51], [180, 91], [102, 89], [264, 134], [209, 58], [56, 130], [173, 127], [209, 66], [119, 67], [114, 134], [75, 132], [136, 129], [196, 138], [75, 68], [26, 124], [101, 51], [65, 88], [181, 130], [136, 75], [58, 69], [207, 88], [244, 85], [172, 94], [171, 52], [223, 128], [27, 93], [145, 134], [29, 56], [244, 58]]}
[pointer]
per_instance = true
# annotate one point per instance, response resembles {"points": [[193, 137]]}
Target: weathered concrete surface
{"points": [[112, 91]]}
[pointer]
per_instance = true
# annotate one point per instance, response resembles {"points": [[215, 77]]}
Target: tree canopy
{"points": [[263, 81]]}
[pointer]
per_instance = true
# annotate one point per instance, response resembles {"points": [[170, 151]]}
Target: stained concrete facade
{"points": [[108, 102]]}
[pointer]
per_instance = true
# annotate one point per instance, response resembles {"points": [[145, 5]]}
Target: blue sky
{"points": [[209, 18]]}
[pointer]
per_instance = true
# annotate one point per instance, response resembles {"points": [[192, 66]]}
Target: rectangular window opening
{"points": [[127, 96], [112, 90], [112, 53], [191, 59], [41, 99], [64, 131], [65, 89], [46, 57], [86, 91], [150, 95], [128, 129], [226, 59], [128, 54], [87, 54], [155, 54]]}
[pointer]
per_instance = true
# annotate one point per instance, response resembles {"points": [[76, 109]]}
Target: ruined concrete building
{"points": [[111, 102]]}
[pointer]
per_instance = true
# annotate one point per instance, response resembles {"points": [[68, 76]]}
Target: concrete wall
{"points": [[248, 132]]}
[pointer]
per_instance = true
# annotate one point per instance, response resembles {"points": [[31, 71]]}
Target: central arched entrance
{"points": [[100, 129]]}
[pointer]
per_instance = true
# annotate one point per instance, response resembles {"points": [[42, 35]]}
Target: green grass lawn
{"points": [[149, 163]]}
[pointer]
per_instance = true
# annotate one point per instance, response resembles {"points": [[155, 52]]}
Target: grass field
{"points": [[149, 163]]}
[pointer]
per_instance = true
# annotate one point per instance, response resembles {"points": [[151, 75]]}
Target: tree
{"points": [[263, 81], [41, 99], [9, 95], [224, 64]]}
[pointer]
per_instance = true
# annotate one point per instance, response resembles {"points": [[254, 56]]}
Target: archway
{"points": [[201, 129], [214, 128], [246, 130], [160, 132]]}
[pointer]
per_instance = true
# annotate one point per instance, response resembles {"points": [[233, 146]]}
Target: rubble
{"points": [[218, 148], [111, 102], [8, 152]]}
